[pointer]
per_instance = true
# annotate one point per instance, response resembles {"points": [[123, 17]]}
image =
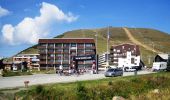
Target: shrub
{"points": [[39, 89], [110, 83], [81, 91], [10, 73]]}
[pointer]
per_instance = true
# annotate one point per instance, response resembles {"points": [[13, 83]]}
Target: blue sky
{"points": [[22, 22]]}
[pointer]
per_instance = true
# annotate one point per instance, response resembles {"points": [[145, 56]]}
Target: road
{"points": [[138, 42], [18, 81]]}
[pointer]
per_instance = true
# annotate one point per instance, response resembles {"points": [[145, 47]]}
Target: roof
{"points": [[163, 56], [67, 40], [127, 47]]}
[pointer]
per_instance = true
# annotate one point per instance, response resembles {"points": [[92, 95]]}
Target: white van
{"points": [[157, 66]]}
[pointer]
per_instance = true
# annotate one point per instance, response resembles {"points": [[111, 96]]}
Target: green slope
{"points": [[154, 38]]}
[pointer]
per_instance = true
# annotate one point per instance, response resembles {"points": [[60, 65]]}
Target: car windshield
{"points": [[110, 70]]}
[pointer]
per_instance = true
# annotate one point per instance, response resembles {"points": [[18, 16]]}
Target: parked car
{"points": [[127, 69], [114, 72], [159, 66]]}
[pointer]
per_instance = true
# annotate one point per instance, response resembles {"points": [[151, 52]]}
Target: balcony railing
{"points": [[65, 47], [39, 47], [93, 47], [42, 62], [50, 52], [80, 47], [42, 57], [89, 52], [42, 52]]}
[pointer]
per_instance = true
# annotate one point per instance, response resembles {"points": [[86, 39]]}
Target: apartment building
{"points": [[63, 51], [125, 55], [31, 59], [103, 59]]}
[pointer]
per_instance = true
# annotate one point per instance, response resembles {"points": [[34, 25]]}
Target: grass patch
{"points": [[10, 73], [104, 89]]}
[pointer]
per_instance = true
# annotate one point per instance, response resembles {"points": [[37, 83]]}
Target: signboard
{"points": [[91, 57]]}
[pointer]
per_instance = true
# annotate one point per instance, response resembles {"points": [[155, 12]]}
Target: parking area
{"points": [[18, 81]]}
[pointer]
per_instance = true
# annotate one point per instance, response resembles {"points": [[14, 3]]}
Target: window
{"points": [[118, 50], [51, 55], [66, 45], [89, 50], [50, 50], [132, 60], [58, 45], [59, 50], [123, 47], [59, 55], [43, 44], [42, 50], [51, 44], [66, 50], [88, 45], [115, 54], [80, 50], [80, 44], [73, 44], [73, 53]]}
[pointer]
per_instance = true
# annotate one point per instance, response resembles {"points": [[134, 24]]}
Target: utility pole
{"points": [[108, 36], [96, 55]]}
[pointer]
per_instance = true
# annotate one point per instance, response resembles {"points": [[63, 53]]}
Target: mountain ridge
{"points": [[152, 38]]}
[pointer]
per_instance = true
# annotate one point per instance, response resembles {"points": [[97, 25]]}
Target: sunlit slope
{"points": [[153, 38]]}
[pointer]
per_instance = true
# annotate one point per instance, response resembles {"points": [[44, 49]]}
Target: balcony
{"points": [[50, 46], [89, 53], [65, 47], [42, 57], [80, 53], [50, 62], [50, 52], [93, 47], [73, 48], [65, 62], [80, 47], [58, 52], [57, 62], [50, 57], [59, 47], [42, 62], [41, 47], [42, 52]]}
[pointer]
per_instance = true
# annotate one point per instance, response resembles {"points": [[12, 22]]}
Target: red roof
{"points": [[127, 47], [67, 40]]}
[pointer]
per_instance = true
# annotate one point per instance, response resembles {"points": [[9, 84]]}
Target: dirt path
{"points": [[138, 42]]}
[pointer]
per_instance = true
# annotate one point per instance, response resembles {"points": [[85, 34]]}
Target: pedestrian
{"points": [[94, 68], [70, 70], [60, 70], [56, 71]]}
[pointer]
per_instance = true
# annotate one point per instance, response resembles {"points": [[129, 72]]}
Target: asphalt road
{"points": [[18, 81]]}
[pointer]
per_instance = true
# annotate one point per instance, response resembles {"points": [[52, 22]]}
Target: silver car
{"points": [[114, 72]]}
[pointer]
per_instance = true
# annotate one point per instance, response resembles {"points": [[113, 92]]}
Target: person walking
{"points": [[93, 68], [60, 70]]}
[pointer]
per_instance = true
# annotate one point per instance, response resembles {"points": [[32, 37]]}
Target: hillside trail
{"points": [[138, 42]]}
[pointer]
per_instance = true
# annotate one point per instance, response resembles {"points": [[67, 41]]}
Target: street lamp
{"points": [[96, 54]]}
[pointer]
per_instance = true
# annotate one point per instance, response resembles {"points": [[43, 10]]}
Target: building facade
{"points": [[31, 59], [159, 58], [102, 60], [125, 55], [62, 51]]}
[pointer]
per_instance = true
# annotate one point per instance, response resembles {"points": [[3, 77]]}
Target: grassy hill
{"points": [[153, 38]]}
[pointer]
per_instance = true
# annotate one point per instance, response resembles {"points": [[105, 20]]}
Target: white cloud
{"points": [[8, 33], [3, 12], [29, 30]]}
